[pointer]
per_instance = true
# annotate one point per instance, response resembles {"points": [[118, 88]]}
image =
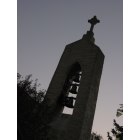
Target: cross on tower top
{"points": [[93, 21]]}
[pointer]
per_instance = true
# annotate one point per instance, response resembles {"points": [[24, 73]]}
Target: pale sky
{"points": [[45, 27]]}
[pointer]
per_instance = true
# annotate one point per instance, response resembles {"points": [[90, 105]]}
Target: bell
{"points": [[69, 102], [73, 90], [77, 78]]}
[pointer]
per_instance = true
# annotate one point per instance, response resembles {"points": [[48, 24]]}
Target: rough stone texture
{"points": [[78, 125]]}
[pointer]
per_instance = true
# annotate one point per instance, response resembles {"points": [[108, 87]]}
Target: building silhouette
{"points": [[74, 86]]}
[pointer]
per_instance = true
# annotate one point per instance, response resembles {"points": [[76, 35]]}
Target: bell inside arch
{"points": [[73, 90], [69, 101], [77, 78]]}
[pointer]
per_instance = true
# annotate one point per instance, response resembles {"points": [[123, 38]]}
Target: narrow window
{"points": [[71, 88]]}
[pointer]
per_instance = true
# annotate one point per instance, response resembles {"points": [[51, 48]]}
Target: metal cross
{"points": [[93, 21]]}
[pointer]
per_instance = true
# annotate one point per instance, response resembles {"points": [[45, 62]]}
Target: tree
{"points": [[109, 137], [120, 111], [95, 136], [29, 100], [117, 131], [28, 86]]}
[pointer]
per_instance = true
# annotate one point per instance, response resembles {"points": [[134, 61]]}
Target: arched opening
{"points": [[71, 88]]}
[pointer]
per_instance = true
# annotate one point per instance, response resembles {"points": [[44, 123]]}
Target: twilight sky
{"points": [[45, 27]]}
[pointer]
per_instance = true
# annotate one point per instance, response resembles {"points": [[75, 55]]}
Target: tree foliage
{"points": [[28, 86], [29, 104], [117, 131], [120, 111], [95, 136]]}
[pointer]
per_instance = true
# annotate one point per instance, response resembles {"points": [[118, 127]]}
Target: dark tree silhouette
{"points": [[28, 86], [117, 131], [28, 107], [109, 137], [95, 136], [120, 111]]}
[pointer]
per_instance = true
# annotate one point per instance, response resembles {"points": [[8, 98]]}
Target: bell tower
{"points": [[74, 87]]}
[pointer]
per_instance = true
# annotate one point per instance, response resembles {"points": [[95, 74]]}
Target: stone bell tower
{"points": [[75, 85]]}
